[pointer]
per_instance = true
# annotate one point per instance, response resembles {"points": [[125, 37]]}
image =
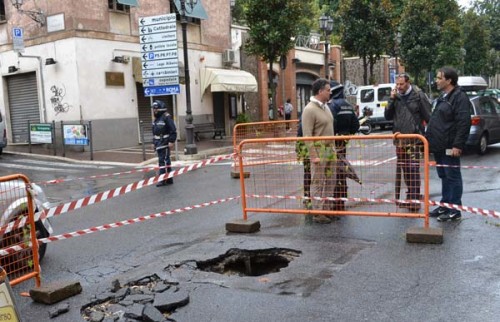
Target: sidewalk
{"points": [[128, 155]]}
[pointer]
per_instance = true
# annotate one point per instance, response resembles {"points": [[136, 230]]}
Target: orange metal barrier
{"points": [[260, 130], [16, 203], [363, 177]]}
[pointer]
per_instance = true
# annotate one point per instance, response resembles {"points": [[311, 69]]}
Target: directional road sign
{"points": [[162, 90], [159, 49], [160, 81]]}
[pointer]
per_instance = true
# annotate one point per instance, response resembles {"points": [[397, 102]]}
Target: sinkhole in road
{"points": [[254, 262]]}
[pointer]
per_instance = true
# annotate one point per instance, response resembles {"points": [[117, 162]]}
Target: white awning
{"points": [[227, 80]]}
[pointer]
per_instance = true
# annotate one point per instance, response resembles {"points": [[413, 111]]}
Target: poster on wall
{"points": [[41, 133], [75, 134]]}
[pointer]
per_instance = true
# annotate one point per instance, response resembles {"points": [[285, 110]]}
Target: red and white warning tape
{"points": [[83, 202], [13, 249], [484, 212]]}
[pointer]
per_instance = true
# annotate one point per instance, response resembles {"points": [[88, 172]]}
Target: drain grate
{"points": [[244, 262]]}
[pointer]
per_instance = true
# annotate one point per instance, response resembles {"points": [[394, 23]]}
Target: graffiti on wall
{"points": [[350, 88], [58, 94]]}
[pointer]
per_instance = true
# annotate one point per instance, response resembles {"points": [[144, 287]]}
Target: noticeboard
{"points": [[75, 134], [41, 133]]}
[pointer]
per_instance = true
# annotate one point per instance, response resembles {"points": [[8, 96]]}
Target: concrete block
{"points": [[424, 235], [243, 226], [54, 292], [236, 174]]}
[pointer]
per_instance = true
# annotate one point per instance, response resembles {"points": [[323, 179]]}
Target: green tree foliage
{"points": [[366, 30], [490, 11], [449, 51], [273, 25], [238, 12], [476, 43], [419, 38]]}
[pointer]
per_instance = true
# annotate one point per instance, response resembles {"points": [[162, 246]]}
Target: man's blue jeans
{"points": [[451, 178]]}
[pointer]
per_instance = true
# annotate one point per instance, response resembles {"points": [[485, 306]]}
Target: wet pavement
{"points": [[138, 155], [356, 269]]}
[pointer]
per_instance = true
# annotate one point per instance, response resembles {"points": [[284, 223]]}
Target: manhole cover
{"points": [[245, 262]]}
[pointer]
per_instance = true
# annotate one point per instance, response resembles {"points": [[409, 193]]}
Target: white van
{"points": [[375, 97]]}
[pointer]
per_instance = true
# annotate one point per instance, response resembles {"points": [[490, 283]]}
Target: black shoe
{"points": [[161, 184], [409, 205], [169, 181], [439, 211], [451, 215]]}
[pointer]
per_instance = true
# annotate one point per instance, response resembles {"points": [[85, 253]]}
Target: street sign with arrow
{"points": [[159, 49]]}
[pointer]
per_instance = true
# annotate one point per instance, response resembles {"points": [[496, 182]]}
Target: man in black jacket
{"points": [[345, 123], [409, 109], [164, 136], [447, 133]]}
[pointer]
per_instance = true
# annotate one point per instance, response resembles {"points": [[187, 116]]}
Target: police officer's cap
{"points": [[159, 105], [336, 90]]}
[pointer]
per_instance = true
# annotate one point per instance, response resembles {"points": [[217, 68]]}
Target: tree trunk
{"points": [[365, 71], [273, 90]]}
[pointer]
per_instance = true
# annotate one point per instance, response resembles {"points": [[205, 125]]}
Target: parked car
{"points": [[485, 119], [493, 92], [3, 134], [376, 98]]}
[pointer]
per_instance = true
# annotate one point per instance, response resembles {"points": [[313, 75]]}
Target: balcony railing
{"points": [[311, 41]]}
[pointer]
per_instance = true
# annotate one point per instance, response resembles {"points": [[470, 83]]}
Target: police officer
{"points": [[164, 136], [345, 123]]}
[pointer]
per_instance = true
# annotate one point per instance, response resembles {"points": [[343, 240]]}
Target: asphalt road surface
{"points": [[356, 269]]}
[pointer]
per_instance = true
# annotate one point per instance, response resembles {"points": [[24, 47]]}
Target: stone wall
{"points": [[354, 71]]}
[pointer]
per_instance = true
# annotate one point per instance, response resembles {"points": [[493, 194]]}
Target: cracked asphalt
{"points": [[355, 269]]}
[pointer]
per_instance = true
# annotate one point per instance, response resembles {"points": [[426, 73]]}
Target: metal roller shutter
{"points": [[23, 104]]}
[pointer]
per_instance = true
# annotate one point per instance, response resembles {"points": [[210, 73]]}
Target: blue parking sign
{"points": [[17, 32]]}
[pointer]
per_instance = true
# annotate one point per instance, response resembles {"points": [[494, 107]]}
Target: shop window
{"points": [[115, 6], [2, 11]]}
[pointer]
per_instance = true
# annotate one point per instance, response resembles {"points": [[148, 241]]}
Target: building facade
{"points": [[81, 61]]}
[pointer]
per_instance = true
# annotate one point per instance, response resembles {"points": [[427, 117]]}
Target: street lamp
{"points": [[326, 25], [396, 51], [190, 147], [37, 16]]}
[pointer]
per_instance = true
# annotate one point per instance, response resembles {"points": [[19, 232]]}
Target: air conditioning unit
{"points": [[228, 56]]}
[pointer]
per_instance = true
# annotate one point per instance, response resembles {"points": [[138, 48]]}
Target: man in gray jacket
{"points": [[409, 108]]}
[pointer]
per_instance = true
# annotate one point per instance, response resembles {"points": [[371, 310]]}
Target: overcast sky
{"points": [[464, 3]]}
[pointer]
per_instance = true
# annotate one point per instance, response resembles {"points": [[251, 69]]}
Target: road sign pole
{"points": [[190, 147]]}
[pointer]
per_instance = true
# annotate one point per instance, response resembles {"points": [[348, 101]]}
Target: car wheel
{"points": [[483, 144]]}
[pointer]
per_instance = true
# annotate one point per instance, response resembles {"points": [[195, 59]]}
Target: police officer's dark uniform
{"points": [[346, 123], [164, 133]]}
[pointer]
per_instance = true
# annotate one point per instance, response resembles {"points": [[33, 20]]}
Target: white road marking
{"points": [[64, 165], [30, 167]]}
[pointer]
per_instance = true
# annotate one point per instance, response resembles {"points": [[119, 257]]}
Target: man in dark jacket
{"points": [[164, 136], [345, 123], [409, 109], [447, 133]]}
